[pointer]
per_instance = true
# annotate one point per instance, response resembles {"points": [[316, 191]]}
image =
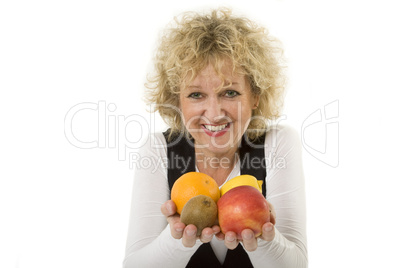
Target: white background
{"points": [[63, 206]]}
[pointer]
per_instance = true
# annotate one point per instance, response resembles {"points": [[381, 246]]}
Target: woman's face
{"points": [[217, 116]]}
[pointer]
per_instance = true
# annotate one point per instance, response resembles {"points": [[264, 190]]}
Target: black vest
{"points": [[181, 159]]}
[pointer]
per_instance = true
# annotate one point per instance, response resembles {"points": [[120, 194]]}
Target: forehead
{"points": [[222, 72]]}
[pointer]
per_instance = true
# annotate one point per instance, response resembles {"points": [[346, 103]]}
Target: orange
{"points": [[192, 184]]}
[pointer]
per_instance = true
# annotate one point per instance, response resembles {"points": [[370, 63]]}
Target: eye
{"points": [[231, 93], [195, 95]]}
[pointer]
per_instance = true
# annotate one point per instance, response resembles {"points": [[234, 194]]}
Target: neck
{"points": [[218, 166]]}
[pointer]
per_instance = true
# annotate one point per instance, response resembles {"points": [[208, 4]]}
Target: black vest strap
{"points": [[252, 159], [181, 159], [180, 154]]}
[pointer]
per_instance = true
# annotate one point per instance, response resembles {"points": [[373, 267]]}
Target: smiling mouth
{"points": [[216, 128]]}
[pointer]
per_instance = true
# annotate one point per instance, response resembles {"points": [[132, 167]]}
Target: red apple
{"points": [[243, 207]]}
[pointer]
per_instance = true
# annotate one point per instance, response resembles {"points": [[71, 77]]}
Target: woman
{"points": [[218, 81]]}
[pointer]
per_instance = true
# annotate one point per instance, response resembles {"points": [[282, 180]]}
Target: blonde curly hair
{"points": [[195, 40]]}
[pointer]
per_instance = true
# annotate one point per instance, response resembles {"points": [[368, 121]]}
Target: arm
{"points": [[285, 191], [149, 241]]}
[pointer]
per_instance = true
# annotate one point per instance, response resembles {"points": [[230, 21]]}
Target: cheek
{"points": [[240, 111], [245, 116], [189, 112], [245, 113], [183, 105]]}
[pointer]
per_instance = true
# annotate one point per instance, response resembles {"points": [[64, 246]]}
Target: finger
{"points": [[189, 236], [231, 240], [217, 232], [273, 213], [216, 229], [176, 227], [220, 236], [268, 231], [249, 240], [206, 235], [168, 208]]}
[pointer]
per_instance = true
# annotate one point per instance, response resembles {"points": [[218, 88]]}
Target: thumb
{"points": [[168, 208]]}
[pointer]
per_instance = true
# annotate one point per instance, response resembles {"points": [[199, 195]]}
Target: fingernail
{"points": [[179, 229], [230, 239], [248, 235], [268, 228], [190, 232], [208, 236]]}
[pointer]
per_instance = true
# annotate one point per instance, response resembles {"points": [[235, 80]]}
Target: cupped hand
{"points": [[248, 237], [188, 233]]}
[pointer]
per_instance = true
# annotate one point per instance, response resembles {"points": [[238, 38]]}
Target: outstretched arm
{"points": [[286, 192], [150, 242]]}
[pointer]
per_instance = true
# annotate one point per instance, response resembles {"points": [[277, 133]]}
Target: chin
{"points": [[217, 145]]}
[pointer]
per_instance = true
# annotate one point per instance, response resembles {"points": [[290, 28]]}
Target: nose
{"points": [[213, 110]]}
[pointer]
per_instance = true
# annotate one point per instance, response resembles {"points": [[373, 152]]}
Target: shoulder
{"points": [[283, 155], [154, 145], [150, 158], [281, 132], [282, 137]]}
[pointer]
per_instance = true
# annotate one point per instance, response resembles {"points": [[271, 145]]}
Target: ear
{"points": [[256, 101]]}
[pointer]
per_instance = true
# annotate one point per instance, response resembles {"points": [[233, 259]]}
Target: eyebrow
{"points": [[193, 87], [199, 87]]}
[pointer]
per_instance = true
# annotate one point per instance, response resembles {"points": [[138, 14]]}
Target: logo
{"points": [[320, 134]]}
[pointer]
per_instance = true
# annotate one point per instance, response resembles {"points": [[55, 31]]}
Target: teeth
{"points": [[216, 128]]}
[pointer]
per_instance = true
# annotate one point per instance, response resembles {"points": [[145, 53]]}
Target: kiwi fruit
{"points": [[201, 210]]}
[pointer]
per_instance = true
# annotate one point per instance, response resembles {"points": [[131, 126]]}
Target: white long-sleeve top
{"points": [[149, 242]]}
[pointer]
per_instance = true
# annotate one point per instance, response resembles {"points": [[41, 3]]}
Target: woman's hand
{"points": [[180, 230], [247, 235]]}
